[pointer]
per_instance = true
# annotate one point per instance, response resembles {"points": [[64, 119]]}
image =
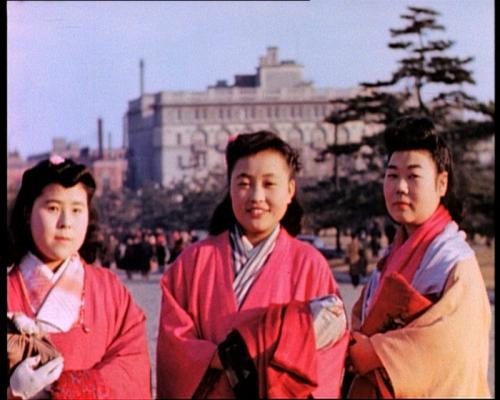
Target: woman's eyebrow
{"points": [[50, 200], [243, 175], [247, 175], [411, 166]]}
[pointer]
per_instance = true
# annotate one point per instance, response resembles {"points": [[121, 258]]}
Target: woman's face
{"points": [[59, 221], [261, 189], [413, 188]]}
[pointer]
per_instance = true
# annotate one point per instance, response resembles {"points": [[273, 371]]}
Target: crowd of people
{"points": [[250, 310], [141, 250]]}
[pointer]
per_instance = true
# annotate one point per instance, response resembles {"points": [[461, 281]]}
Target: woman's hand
{"points": [[26, 381], [362, 356]]}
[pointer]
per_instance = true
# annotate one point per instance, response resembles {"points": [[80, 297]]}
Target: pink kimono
{"points": [[105, 353], [199, 309]]}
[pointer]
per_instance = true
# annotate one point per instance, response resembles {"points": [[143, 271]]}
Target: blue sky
{"points": [[70, 63]]}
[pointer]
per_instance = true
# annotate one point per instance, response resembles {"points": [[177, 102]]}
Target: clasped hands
{"points": [[29, 378]]}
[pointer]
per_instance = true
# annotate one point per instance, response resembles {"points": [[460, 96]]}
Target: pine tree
{"points": [[425, 68]]}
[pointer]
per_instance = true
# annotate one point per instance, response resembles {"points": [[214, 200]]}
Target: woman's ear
{"points": [[442, 183], [291, 190]]}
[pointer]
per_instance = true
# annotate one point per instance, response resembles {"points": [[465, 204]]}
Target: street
{"points": [[147, 295]]}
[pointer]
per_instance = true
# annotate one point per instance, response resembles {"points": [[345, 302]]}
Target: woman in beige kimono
{"points": [[421, 325]]}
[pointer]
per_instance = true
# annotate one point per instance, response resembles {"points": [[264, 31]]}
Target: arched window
{"points": [[344, 135], [295, 138], [221, 139], [199, 138], [318, 139]]}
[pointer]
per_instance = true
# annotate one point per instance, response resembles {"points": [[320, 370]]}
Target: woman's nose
{"points": [[402, 186], [64, 220], [257, 193]]}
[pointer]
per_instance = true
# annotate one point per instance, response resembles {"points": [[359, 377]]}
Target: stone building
{"points": [[108, 165], [173, 136]]}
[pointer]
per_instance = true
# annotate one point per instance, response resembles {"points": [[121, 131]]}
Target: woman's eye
{"points": [[77, 210], [243, 184], [52, 208]]}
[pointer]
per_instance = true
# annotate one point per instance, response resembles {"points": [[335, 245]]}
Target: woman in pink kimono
{"points": [[252, 311], [421, 326], [84, 335]]}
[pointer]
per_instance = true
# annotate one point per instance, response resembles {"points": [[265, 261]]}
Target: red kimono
{"points": [[105, 353], [199, 310]]}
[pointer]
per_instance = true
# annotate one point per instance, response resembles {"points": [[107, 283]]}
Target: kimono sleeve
{"points": [[330, 360], [444, 352], [124, 371], [182, 357]]}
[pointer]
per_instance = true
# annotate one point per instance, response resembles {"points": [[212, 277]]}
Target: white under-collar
{"points": [[61, 307], [29, 263]]}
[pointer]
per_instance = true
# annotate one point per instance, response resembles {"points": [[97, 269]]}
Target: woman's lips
{"points": [[256, 212], [62, 239], [401, 204]]}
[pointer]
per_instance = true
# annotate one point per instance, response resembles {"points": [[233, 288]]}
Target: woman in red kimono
{"points": [[421, 326], [54, 294], [252, 311]]}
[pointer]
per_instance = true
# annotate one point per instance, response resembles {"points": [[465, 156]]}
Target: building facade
{"points": [[108, 166], [173, 136]]}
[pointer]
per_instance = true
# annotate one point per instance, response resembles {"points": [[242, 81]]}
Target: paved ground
{"points": [[147, 294]]}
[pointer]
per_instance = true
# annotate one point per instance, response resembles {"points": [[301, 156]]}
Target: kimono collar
{"points": [[55, 298], [248, 259], [406, 253], [31, 265]]}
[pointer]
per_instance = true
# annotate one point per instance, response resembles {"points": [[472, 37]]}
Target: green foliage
{"points": [[184, 206], [480, 213]]}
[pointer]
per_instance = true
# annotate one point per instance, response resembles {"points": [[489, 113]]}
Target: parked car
{"points": [[328, 252]]}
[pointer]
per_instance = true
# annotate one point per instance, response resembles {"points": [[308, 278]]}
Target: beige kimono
{"points": [[444, 352]]}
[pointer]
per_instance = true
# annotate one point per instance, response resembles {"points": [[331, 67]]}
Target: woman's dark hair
{"points": [[415, 132], [247, 144], [66, 173]]}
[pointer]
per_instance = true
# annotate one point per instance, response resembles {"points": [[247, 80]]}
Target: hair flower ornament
{"points": [[232, 138], [56, 159]]}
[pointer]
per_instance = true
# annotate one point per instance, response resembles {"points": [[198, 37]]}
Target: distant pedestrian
{"points": [[106, 249], [354, 260], [144, 254], [375, 235], [162, 252], [130, 258], [119, 254]]}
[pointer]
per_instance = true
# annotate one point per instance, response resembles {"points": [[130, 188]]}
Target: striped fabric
{"points": [[249, 260]]}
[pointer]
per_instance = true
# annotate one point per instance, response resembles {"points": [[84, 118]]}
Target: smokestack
{"points": [[109, 142], [141, 65], [99, 136]]}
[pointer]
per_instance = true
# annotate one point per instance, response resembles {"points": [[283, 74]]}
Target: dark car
{"points": [[328, 252]]}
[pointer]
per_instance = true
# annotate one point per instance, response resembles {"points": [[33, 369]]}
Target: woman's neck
{"points": [[53, 265]]}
